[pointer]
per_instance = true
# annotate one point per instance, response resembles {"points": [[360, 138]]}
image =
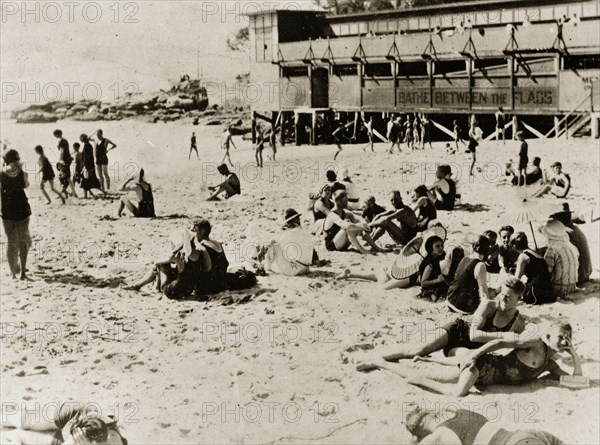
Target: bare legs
{"points": [[102, 173], [227, 157], [43, 189], [197, 155], [258, 155], [473, 159], [126, 203], [382, 278]]}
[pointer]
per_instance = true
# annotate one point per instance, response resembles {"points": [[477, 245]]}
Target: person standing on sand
{"points": [[259, 147], [392, 135], [103, 146], [66, 158], [500, 122], [226, 141], [273, 141], [15, 211], [474, 138], [467, 427], [523, 160], [336, 135], [368, 124], [89, 180], [425, 131], [193, 147], [145, 207], [48, 175]]}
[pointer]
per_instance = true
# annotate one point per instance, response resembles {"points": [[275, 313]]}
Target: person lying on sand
{"points": [[466, 427], [493, 319], [342, 228], [558, 184], [198, 265], [231, 186], [402, 213], [72, 423], [434, 246], [529, 359], [143, 190]]}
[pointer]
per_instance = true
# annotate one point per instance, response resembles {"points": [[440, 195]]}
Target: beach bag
{"points": [[240, 279]]}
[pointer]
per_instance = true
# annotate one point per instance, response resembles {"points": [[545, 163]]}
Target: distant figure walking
{"points": [[145, 207], [226, 141], [369, 127], [48, 175], [336, 135], [103, 146], [15, 213], [89, 180], [193, 147], [259, 147], [475, 135], [66, 158]]}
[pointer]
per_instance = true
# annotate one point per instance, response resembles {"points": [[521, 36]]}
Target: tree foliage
{"points": [[239, 40]]}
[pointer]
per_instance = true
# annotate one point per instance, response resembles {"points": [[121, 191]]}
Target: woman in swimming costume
{"points": [[145, 207], [103, 146], [466, 427], [558, 185], [493, 319], [529, 358]]}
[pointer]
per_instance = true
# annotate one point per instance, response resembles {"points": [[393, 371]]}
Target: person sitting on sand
{"points": [[443, 191], [197, 266], [372, 209], [323, 205], [533, 174], [562, 259], [402, 213], [467, 427], [332, 180], [434, 246], [71, 423], [579, 240], [469, 286], [493, 319], [529, 358], [47, 175], [507, 256], [530, 264], [342, 228], [492, 260], [558, 184], [231, 186], [350, 187], [143, 190], [423, 207]]}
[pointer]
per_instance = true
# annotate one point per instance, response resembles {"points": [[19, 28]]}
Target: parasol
{"points": [[413, 253], [527, 213]]}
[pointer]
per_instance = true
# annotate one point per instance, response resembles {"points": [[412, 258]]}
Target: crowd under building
{"points": [[537, 60]]}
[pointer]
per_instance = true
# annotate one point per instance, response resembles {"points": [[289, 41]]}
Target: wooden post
{"points": [[254, 127], [355, 126], [281, 129], [595, 125], [297, 127], [313, 135], [511, 65], [556, 126]]}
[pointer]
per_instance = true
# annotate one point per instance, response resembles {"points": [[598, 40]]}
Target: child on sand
{"points": [[143, 190], [226, 141], [63, 178], [47, 173], [231, 185], [529, 358]]}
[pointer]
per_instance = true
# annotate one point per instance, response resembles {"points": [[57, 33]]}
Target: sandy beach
{"points": [[274, 364]]}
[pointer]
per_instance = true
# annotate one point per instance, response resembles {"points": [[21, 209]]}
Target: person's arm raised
{"points": [[481, 276]]}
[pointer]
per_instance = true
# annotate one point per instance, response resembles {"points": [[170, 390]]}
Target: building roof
{"points": [[285, 10], [460, 6]]}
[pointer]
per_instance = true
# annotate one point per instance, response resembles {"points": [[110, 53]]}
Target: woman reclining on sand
{"points": [[530, 358], [434, 246], [72, 423], [493, 320], [342, 228], [465, 427]]}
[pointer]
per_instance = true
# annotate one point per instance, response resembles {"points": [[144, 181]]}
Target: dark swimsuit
{"points": [[466, 425], [507, 369], [47, 170], [463, 293], [317, 213], [330, 235], [459, 332], [447, 202], [146, 206], [101, 152], [538, 289]]}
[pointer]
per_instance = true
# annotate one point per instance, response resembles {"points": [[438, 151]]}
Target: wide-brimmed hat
{"points": [[554, 229], [413, 253], [289, 215], [562, 209]]}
